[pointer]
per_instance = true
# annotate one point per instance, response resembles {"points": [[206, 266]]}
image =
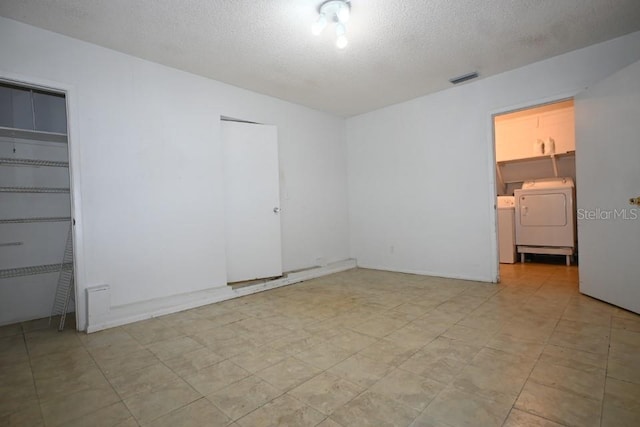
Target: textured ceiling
{"points": [[398, 50]]}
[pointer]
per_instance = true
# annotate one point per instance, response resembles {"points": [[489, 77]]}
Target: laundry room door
{"points": [[608, 177], [252, 201]]}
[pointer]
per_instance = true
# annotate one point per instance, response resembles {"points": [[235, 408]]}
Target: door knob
{"points": [[276, 210], [635, 201]]}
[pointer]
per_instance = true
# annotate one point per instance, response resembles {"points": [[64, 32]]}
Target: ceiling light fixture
{"points": [[338, 12]]}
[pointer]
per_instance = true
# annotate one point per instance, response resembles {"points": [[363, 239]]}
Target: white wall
{"points": [[421, 173], [147, 174]]}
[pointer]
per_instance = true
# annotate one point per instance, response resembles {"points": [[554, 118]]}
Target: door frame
{"points": [[491, 136], [75, 196]]}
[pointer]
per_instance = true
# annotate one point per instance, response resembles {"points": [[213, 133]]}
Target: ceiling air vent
{"points": [[464, 78]]}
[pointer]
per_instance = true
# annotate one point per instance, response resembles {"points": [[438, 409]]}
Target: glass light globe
{"points": [[341, 41], [319, 25]]}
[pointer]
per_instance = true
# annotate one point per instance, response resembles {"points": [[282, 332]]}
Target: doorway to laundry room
{"points": [[36, 225], [535, 180]]}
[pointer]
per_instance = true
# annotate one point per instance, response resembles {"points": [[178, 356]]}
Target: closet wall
{"points": [[34, 200]]}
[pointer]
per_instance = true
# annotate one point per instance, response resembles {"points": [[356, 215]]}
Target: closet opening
{"points": [[36, 227]]}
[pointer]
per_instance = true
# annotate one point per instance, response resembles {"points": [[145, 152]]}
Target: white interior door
{"points": [[608, 175], [252, 201]]}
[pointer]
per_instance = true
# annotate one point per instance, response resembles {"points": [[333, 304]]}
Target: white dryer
{"points": [[546, 217]]}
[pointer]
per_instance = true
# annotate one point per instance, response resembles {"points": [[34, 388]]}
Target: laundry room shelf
{"points": [[35, 219], [505, 171], [35, 269], [30, 162], [547, 158], [33, 190]]}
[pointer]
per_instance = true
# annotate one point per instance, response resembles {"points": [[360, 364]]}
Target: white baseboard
{"points": [[122, 315], [428, 273]]}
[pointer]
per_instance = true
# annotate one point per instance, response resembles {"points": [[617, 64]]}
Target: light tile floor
{"points": [[359, 348]]}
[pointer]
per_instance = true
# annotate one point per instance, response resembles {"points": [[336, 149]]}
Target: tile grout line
{"points": [[202, 396], [33, 377], [513, 406], [606, 369], [255, 374], [108, 381]]}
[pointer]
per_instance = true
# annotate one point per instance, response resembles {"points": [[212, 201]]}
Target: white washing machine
{"points": [[546, 217], [506, 229]]}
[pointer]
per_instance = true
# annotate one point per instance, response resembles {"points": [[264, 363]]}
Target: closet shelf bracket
{"points": [[35, 219], [34, 269], [30, 162], [33, 190]]}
